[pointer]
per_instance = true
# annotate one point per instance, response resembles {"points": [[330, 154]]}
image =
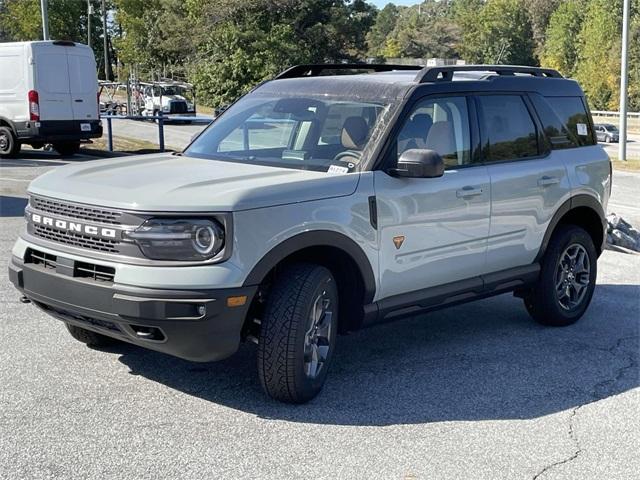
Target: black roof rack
{"points": [[445, 73], [313, 70]]}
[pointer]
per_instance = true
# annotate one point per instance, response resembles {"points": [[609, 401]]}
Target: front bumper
{"points": [[167, 321], [58, 130]]}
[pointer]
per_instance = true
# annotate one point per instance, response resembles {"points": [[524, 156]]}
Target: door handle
{"points": [[78, 100], [468, 191], [546, 181]]}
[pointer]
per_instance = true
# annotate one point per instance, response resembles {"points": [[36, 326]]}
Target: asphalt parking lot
{"points": [[478, 391]]}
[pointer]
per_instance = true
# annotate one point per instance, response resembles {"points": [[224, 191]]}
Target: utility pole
{"points": [[624, 73], [45, 19], [89, 13], [104, 34]]}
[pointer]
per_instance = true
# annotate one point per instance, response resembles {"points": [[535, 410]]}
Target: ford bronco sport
{"points": [[322, 202]]}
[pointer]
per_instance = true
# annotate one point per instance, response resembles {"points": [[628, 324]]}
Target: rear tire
{"points": [[9, 145], [567, 278], [298, 333], [67, 148], [89, 338]]}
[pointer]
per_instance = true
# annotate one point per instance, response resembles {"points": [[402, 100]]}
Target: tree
{"points": [[540, 12], [423, 31], [598, 69], [381, 29], [248, 41], [498, 31], [561, 46]]}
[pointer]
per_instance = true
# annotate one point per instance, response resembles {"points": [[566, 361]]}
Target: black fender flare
{"points": [[581, 200], [316, 238]]}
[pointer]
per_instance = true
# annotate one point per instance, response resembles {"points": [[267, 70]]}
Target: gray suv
{"points": [[330, 198]]}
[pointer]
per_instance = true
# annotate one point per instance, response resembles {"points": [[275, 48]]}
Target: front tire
{"points": [[89, 338], [298, 333], [9, 145], [567, 278]]}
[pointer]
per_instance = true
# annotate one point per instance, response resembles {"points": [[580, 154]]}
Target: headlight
{"points": [[179, 239], [166, 108]]}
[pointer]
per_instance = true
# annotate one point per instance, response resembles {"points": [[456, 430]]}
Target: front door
{"points": [[433, 231]]}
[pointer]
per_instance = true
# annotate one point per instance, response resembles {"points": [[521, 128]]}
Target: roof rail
{"points": [[313, 70], [445, 73]]}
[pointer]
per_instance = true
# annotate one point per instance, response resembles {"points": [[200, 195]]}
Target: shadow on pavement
{"points": [[12, 206], [486, 360]]}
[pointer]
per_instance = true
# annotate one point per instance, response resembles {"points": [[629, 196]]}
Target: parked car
{"points": [[319, 204], [605, 132], [48, 95]]}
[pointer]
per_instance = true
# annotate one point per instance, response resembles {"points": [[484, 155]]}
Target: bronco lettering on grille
{"points": [[73, 226]]}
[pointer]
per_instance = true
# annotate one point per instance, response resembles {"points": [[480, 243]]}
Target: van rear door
{"points": [[83, 82], [52, 81]]}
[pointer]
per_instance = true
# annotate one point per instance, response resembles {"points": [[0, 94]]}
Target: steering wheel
{"points": [[348, 156]]}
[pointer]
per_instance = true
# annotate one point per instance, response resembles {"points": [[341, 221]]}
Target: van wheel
{"points": [[67, 148], [9, 145], [89, 338], [567, 278], [298, 333]]}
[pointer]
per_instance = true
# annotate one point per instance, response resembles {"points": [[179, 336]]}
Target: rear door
{"points": [[52, 81], [528, 180], [83, 83]]}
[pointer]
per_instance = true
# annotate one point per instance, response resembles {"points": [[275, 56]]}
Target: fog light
{"points": [[202, 310]]}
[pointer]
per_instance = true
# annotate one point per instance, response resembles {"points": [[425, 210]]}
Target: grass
{"points": [[122, 144], [631, 165]]}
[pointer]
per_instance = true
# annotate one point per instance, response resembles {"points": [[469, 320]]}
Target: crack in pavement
{"points": [[615, 350]]}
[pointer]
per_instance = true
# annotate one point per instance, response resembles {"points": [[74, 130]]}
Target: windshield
{"points": [[294, 132], [169, 91], [611, 128]]}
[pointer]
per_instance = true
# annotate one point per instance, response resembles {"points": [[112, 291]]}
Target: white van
{"points": [[48, 95]]}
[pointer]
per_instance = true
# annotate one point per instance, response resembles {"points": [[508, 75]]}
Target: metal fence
{"points": [[605, 113], [159, 119]]}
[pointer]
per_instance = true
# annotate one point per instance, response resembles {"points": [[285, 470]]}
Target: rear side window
{"points": [[572, 113], [509, 130]]}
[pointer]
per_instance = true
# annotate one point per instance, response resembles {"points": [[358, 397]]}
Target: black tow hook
{"points": [[24, 299]]}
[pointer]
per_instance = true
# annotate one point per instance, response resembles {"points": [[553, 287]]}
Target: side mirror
{"points": [[419, 163]]}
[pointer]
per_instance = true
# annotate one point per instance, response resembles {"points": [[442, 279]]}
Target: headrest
{"points": [[441, 139], [354, 133]]}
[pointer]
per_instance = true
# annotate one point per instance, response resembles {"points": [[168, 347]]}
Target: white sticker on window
{"points": [[338, 169], [582, 129]]}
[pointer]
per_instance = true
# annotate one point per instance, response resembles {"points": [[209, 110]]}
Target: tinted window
{"points": [[573, 114], [556, 131], [509, 130], [441, 125]]}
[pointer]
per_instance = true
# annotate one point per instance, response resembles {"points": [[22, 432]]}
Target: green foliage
{"points": [[421, 31], [378, 35], [498, 31], [561, 48], [599, 53]]}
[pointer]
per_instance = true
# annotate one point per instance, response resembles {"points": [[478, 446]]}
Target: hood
{"points": [[173, 183]]}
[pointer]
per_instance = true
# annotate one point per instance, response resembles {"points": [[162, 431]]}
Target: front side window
{"points": [[293, 132], [508, 128], [439, 124]]}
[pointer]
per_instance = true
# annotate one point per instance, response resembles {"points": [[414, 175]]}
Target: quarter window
{"points": [[573, 114], [441, 125], [508, 127]]}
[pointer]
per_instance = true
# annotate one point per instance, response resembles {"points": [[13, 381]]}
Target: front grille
{"points": [[178, 107], [76, 240], [93, 214], [99, 273]]}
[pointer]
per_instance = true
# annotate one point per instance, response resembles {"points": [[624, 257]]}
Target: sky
{"points": [[382, 3]]}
